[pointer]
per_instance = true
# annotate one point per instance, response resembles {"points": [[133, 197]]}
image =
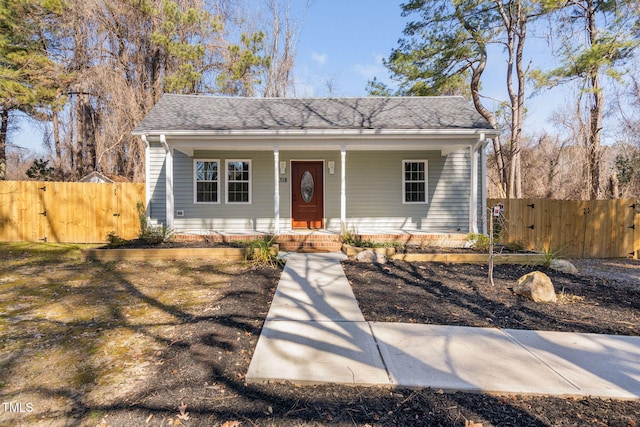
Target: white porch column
{"points": [[147, 174], [483, 175], [276, 191], [343, 186], [168, 164], [473, 196]]}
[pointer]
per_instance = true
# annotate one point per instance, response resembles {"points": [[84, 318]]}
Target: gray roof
{"points": [[211, 113]]}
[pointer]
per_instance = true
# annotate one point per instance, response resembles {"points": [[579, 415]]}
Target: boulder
{"points": [[536, 286], [371, 256], [563, 266]]}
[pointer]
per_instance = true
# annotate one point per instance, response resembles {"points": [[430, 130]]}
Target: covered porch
{"points": [[347, 182]]}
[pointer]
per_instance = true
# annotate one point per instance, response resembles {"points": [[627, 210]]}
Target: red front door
{"points": [[307, 195]]}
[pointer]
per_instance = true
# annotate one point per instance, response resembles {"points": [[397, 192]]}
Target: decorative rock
{"points": [[536, 286], [563, 266], [371, 256]]}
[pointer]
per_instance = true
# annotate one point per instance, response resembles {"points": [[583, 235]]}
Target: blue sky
{"points": [[344, 42]]}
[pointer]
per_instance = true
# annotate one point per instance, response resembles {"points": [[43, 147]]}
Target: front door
{"points": [[307, 195]]}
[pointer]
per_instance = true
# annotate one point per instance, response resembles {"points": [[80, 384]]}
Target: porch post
{"points": [[343, 186], [483, 175], [147, 174], [473, 197], [276, 192], [168, 164]]}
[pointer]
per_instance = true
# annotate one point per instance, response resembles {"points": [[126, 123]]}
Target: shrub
{"points": [[398, 246], [115, 241], [260, 252], [149, 234], [479, 241], [549, 255], [516, 246], [349, 237]]}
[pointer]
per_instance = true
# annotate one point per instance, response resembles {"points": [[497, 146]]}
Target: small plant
{"points": [[261, 252], [348, 236], [149, 234], [351, 238], [479, 241], [367, 244], [155, 235], [398, 246], [115, 241], [548, 255], [516, 246]]}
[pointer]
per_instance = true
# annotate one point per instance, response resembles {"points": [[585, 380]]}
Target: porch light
{"points": [[283, 168], [332, 167]]}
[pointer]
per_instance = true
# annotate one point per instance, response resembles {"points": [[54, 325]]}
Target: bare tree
{"points": [[282, 37]]}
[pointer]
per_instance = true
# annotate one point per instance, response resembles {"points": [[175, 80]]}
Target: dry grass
{"points": [[71, 328]]}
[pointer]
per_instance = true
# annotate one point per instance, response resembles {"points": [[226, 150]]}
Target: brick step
{"points": [[309, 243]]}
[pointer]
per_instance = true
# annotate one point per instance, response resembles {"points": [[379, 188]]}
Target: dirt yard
{"points": [[169, 343]]}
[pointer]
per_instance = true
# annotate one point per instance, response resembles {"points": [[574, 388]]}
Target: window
{"points": [[414, 181], [206, 181], [238, 181]]}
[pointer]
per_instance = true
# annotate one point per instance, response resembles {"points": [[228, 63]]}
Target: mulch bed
{"points": [[204, 367], [142, 244], [459, 294]]}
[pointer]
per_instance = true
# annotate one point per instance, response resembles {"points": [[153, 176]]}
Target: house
{"points": [[101, 178], [277, 165]]}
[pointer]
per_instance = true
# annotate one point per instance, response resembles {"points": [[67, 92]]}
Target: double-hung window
{"points": [[207, 178], [414, 181], [238, 181]]}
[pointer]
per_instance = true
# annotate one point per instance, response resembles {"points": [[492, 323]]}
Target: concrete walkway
{"points": [[315, 333]]}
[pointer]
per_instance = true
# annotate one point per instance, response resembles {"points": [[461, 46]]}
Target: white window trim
{"points": [[227, 181], [426, 182], [195, 181]]}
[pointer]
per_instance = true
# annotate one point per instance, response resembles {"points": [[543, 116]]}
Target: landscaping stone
{"points": [[370, 255], [536, 286], [563, 266]]}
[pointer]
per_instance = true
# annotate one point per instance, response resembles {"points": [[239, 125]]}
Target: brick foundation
{"points": [[328, 242]]}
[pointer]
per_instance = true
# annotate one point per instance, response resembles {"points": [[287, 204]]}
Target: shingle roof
{"points": [[209, 113]]}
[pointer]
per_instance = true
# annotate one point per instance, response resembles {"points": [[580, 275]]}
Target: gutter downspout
{"points": [[147, 174], [343, 188], [168, 164], [276, 192], [473, 196]]}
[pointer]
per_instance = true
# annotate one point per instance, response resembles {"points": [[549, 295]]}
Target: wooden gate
{"points": [[577, 229], [69, 212]]}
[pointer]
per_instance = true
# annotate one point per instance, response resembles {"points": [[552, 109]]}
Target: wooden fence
{"points": [[577, 229], [69, 212]]}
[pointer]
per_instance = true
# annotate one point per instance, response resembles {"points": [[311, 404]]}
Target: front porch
{"points": [[329, 241]]}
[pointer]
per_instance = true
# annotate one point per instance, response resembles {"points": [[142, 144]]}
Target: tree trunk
{"points": [[595, 110], [4, 127], [79, 148], [89, 137], [56, 138], [515, 22], [521, 29]]}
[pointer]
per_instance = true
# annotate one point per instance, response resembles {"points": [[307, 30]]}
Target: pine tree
{"points": [[28, 78]]}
